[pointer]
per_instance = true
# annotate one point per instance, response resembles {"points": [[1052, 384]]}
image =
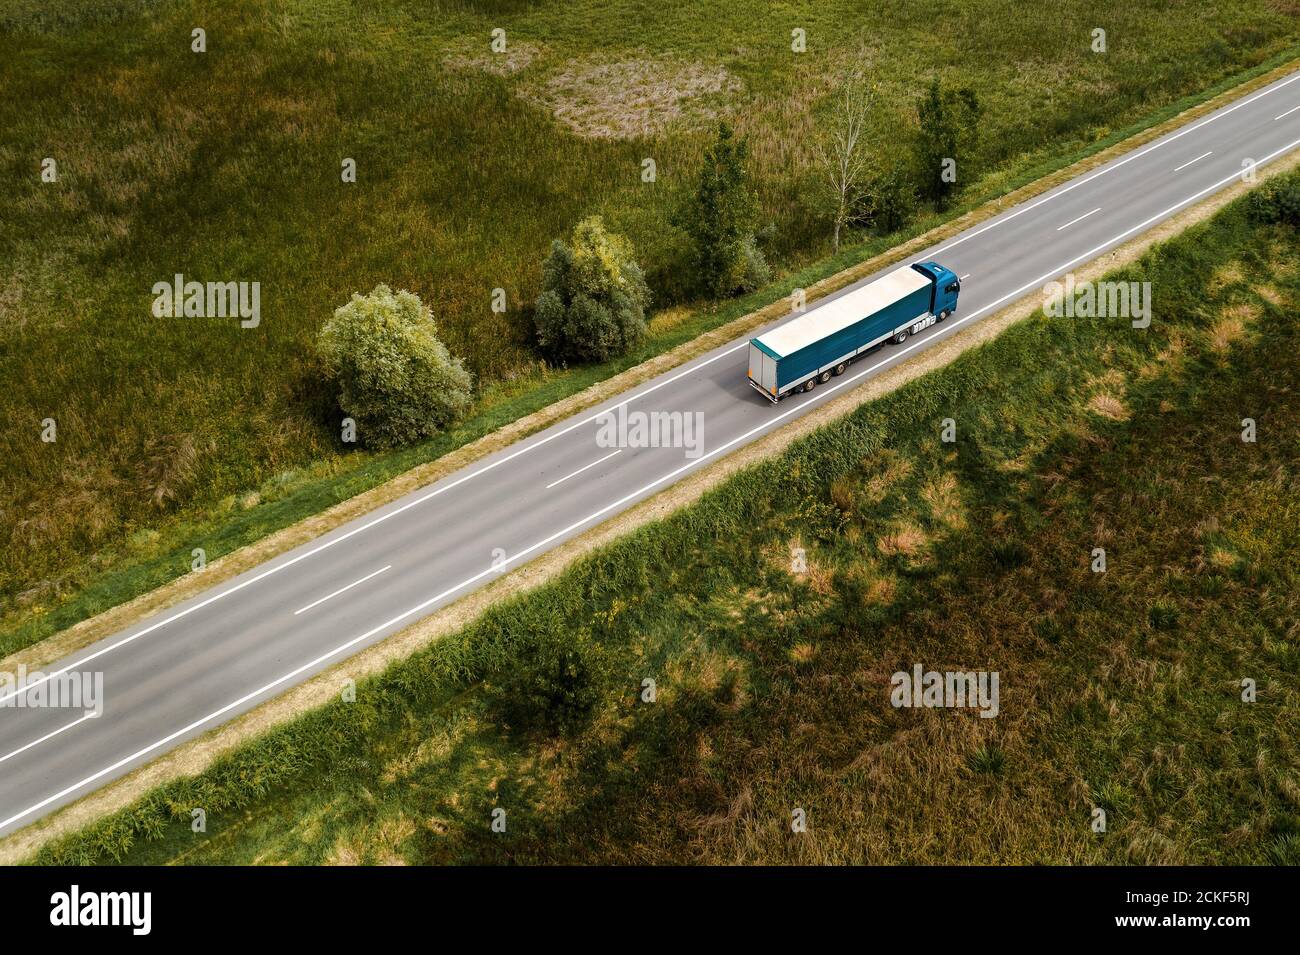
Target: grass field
{"points": [[225, 166], [1120, 690]]}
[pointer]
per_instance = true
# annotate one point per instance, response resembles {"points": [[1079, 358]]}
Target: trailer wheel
{"points": [[824, 377], [810, 384], [839, 369], [900, 337]]}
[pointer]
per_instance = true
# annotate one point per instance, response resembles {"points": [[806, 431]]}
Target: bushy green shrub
{"points": [[889, 198], [553, 686], [754, 272], [396, 379], [594, 297], [1276, 201]]}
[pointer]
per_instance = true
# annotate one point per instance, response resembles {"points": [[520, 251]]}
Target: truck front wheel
{"points": [[944, 314]]}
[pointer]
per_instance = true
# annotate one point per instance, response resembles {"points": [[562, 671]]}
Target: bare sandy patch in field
{"points": [[641, 96]]}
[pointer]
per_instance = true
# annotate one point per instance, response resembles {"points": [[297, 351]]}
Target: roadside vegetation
{"points": [[771, 615], [397, 382], [229, 165], [594, 297], [720, 218]]}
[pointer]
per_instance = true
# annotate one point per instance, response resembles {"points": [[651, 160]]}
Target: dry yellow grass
{"points": [[941, 493], [882, 590], [798, 561], [885, 471], [1231, 326], [1225, 276], [803, 652], [1226, 331], [820, 578], [1108, 406], [633, 97], [904, 538], [1269, 294]]}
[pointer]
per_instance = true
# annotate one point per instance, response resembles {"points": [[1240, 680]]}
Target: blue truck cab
{"points": [[946, 287]]}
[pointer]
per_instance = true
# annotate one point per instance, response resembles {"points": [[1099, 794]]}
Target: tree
{"points": [[395, 378], [843, 152], [720, 221], [862, 182], [949, 122], [889, 196], [594, 296]]}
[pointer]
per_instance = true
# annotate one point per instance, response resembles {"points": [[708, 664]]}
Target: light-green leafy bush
{"points": [[396, 379]]}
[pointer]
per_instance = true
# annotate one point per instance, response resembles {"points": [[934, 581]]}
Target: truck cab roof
{"points": [[934, 271]]}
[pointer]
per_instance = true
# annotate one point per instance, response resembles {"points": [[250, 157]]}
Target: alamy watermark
{"points": [[133, 910], [1071, 299], [181, 299], [71, 690], [976, 689], [652, 429]]}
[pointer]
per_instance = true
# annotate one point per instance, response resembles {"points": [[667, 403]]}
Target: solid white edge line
{"points": [[1080, 219], [357, 530], [1208, 152], [585, 467], [1287, 113], [1113, 164], [818, 395], [317, 603], [1117, 163], [88, 715]]}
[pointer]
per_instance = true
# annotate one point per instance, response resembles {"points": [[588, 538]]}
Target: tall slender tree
{"points": [[844, 151], [720, 220], [949, 125]]}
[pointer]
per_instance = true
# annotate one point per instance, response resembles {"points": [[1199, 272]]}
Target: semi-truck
{"points": [[821, 342]]}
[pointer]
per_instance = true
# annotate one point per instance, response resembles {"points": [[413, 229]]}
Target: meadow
{"points": [[225, 165], [772, 614]]}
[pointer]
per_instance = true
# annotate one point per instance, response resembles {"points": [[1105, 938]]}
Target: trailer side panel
{"points": [[856, 337]]}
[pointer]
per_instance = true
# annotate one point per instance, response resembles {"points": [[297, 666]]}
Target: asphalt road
{"points": [[205, 661]]}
